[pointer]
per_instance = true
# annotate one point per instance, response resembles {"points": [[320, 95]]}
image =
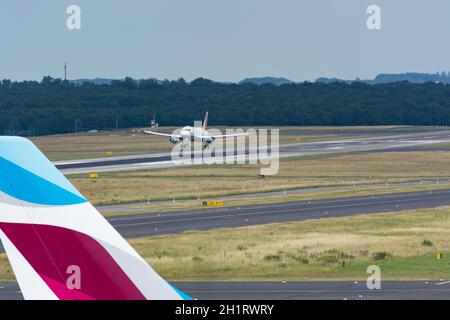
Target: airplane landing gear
{"points": [[183, 146]]}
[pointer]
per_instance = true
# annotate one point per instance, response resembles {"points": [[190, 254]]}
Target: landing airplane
{"points": [[153, 123], [189, 133], [58, 244]]}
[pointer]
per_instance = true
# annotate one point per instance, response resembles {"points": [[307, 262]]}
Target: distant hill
{"points": [[332, 80], [412, 77], [267, 80], [258, 81], [96, 81]]}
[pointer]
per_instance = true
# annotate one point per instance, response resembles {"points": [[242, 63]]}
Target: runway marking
{"points": [[284, 204], [441, 283], [261, 212], [250, 214], [299, 149]]}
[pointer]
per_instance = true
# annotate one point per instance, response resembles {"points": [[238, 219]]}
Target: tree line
{"points": [[56, 106]]}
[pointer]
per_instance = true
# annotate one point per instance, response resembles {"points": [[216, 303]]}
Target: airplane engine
{"points": [[209, 140], [173, 139]]}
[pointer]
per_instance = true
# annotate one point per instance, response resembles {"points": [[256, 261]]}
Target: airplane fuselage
{"points": [[194, 134]]}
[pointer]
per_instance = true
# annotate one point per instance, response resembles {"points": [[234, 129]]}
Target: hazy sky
{"points": [[224, 40]]}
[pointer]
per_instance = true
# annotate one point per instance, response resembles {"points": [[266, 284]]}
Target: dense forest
{"points": [[57, 106]]}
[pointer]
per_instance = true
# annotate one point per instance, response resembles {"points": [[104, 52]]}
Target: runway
{"points": [[380, 143], [316, 290], [305, 290], [153, 224], [142, 208], [142, 225]]}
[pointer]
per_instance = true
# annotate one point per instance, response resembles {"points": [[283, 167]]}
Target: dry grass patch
{"points": [[95, 145], [216, 181], [339, 248]]}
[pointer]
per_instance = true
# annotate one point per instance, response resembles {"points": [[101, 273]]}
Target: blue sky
{"points": [[224, 40]]}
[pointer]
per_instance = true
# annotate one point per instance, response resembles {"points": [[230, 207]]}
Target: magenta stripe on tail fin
{"points": [[46, 249]]}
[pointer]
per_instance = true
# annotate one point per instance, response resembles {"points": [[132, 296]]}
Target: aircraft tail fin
{"points": [[59, 245], [153, 123], [205, 122]]}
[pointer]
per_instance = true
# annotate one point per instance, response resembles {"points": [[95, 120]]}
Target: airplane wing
{"points": [[221, 136], [162, 134], [58, 244]]}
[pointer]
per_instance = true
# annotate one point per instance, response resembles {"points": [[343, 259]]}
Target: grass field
{"points": [[96, 145], [436, 146], [216, 181], [403, 244]]}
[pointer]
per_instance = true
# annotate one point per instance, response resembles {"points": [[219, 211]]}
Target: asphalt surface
{"points": [[134, 226], [317, 290], [314, 290], [361, 131], [153, 224], [380, 143]]}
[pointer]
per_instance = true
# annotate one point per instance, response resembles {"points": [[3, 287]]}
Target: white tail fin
{"points": [[205, 122], [59, 245], [153, 123]]}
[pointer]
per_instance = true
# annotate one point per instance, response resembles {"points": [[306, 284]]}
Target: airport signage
{"points": [[213, 203], [93, 175]]}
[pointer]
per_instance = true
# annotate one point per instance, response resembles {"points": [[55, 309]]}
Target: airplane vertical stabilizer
{"points": [[59, 245], [205, 122]]}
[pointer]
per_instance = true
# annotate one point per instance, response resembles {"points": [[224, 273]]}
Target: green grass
{"points": [[436, 146]]}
